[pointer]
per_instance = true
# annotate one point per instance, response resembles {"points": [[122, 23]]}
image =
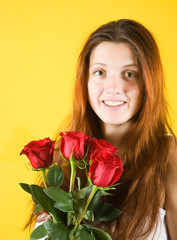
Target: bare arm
{"points": [[171, 208]]}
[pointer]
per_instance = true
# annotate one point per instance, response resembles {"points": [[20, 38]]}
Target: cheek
{"points": [[90, 94], [93, 91], [138, 96]]}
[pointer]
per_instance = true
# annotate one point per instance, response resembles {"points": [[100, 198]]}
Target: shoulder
{"points": [[173, 156], [171, 203], [172, 163]]}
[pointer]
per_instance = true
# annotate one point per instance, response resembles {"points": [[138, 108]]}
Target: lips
{"points": [[113, 103]]}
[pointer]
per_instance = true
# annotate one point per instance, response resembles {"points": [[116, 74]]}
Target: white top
{"points": [[160, 232]]}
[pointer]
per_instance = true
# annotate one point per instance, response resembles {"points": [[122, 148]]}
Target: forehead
{"points": [[113, 53]]}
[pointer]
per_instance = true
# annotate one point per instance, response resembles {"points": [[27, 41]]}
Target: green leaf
{"points": [[37, 209], [49, 227], [81, 194], [57, 231], [25, 187], [55, 176], [98, 233], [45, 202], [38, 233], [82, 234], [70, 218], [89, 189], [64, 201], [106, 212], [89, 215], [78, 205], [65, 206], [95, 201], [104, 193]]}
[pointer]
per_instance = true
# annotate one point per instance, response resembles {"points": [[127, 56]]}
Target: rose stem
{"points": [[73, 174], [43, 177], [80, 217]]}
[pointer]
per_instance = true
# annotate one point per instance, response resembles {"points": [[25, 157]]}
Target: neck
{"points": [[116, 134]]}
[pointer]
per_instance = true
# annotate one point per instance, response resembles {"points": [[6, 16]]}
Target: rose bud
{"points": [[105, 169], [39, 153], [98, 146], [74, 142]]}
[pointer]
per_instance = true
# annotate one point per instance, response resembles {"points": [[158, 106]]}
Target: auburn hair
{"points": [[146, 151], [143, 182]]}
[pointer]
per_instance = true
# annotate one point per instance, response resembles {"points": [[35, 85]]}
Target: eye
{"points": [[130, 75], [99, 73]]}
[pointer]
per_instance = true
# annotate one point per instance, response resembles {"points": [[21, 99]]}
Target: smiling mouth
{"points": [[113, 103]]}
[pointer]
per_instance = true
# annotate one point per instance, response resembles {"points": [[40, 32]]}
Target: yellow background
{"points": [[40, 41]]}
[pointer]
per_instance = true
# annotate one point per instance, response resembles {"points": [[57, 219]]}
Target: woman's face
{"points": [[114, 84]]}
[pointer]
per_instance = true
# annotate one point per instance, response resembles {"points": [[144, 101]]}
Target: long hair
{"points": [[146, 151], [143, 182]]}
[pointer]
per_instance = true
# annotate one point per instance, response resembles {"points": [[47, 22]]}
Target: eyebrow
{"points": [[99, 63], [131, 65], [127, 65]]}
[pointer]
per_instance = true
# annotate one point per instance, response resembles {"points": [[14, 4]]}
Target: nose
{"points": [[114, 84]]}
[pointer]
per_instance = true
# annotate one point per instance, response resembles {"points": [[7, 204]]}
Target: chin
{"points": [[115, 123]]}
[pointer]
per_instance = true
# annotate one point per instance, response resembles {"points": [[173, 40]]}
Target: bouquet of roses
{"points": [[72, 213]]}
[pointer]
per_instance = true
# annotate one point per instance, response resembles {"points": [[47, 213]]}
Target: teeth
{"points": [[110, 103]]}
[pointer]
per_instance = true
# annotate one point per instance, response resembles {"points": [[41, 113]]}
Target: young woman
{"points": [[119, 97]]}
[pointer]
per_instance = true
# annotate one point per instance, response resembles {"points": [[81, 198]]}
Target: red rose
{"points": [[40, 153], [74, 142], [105, 169], [98, 146]]}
